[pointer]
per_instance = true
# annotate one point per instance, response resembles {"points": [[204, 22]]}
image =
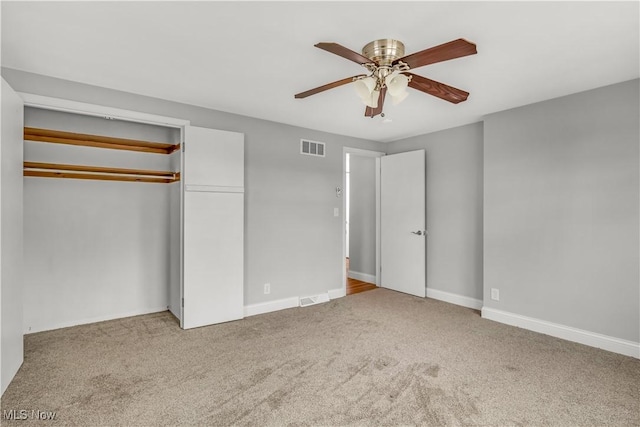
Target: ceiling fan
{"points": [[389, 72]]}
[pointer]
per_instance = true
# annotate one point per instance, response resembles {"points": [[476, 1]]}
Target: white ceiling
{"points": [[250, 58]]}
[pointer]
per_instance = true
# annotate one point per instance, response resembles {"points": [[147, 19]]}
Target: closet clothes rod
{"points": [[70, 138], [55, 170]]}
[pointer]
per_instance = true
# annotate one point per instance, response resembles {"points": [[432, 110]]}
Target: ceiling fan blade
{"points": [[441, 90], [326, 87], [372, 112], [340, 50], [444, 52]]}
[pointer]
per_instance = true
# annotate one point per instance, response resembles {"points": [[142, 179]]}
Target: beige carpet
{"points": [[375, 358]]}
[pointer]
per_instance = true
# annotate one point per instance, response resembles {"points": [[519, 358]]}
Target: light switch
{"points": [[336, 211]]}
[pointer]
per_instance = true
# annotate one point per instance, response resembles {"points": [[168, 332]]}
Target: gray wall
{"points": [[94, 250], [362, 214], [292, 239], [454, 207], [561, 210]]}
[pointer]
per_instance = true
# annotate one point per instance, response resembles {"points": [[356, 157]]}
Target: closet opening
{"points": [[102, 214]]}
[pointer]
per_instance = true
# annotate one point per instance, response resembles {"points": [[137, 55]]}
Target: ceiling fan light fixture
{"points": [[396, 83], [372, 100], [364, 87], [391, 75]]}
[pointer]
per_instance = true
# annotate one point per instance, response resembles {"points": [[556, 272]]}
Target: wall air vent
{"points": [[311, 148]]}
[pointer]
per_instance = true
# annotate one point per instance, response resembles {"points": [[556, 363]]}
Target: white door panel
{"points": [[402, 217], [213, 258], [213, 227], [213, 158]]}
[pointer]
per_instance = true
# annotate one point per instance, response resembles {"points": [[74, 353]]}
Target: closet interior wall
{"points": [[97, 250]]}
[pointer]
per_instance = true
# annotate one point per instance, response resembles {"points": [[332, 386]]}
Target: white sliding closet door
{"points": [[213, 268]]}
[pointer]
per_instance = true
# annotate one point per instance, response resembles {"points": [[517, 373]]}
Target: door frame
{"points": [[364, 153], [87, 109]]}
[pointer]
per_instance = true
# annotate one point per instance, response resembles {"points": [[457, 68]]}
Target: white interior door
{"points": [[213, 227], [11, 278], [402, 223]]}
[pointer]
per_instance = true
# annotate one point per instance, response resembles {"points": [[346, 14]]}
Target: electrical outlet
{"points": [[267, 288], [495, 294]]}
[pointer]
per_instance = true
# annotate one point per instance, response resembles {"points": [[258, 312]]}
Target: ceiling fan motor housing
{"points": [[384, 51]]}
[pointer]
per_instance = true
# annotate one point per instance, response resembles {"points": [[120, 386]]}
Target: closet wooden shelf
{"points": [[55, 170], [60, 137]]}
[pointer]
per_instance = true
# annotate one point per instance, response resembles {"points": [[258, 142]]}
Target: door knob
{"points": [[419, 232]]}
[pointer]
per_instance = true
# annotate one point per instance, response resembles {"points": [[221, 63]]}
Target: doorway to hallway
{"points": [[361, 199]]}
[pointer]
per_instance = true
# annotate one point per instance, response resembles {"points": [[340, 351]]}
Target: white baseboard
{"points": [[269, 306], [454, 298], [70, 323], [282, 304], [605, 342], [369, 278], [337, 293]]}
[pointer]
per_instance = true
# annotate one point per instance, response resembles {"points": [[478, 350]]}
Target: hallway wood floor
{"points": [[355, 286]]}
